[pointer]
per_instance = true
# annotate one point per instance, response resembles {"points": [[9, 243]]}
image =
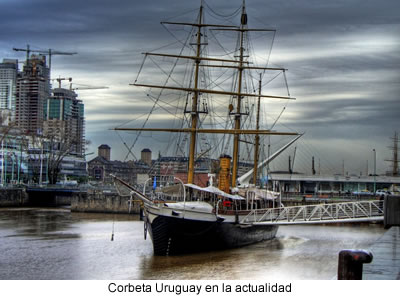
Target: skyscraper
{"points": [[8, 78], [32, 91], [64, 119]]}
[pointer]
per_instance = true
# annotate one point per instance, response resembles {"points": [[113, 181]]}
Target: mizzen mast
{"points": [[257, 137]]}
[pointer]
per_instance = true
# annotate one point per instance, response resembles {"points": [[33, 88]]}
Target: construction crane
{"points": [[49, 52], [86, 87], [82, 86], [59, 80]]}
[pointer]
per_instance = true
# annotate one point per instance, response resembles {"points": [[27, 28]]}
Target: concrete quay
{"points": [[386, 257], [13, 197], [100, 202], [94, 200]]}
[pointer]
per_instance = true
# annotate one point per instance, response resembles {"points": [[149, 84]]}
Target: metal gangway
{"points": [[357, 211]]}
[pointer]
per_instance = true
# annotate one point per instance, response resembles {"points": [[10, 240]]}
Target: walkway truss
{"points": [[360, 211]]}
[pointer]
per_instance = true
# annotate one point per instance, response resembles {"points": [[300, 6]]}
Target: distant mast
{"points": [[395, 159]]}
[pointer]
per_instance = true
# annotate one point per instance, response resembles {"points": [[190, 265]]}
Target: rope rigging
{"points": [[209, 114], [154, 104]]}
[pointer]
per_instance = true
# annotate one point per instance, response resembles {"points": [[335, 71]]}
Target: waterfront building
{"points": [[29, 159], [8, 79], [104, 151], [39, 163], [330, 184], [32, 91], [167, 167], [101, 167], [64, 119], [140, 171], [145, 156]]}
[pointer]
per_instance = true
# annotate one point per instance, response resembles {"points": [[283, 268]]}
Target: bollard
{"points": [[350, 266]]}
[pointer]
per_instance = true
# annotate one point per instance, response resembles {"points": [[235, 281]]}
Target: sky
{"points": [[343, 61]]}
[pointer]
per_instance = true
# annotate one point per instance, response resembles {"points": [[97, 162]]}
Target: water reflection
{"points": [[37, 223], [228, 264], [56, 244]]}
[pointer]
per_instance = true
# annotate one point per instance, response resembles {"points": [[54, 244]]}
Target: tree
{"points": [[60, 142], [49, 149]]}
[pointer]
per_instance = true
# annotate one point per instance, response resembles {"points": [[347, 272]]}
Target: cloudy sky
{"points": [[342, 56]]}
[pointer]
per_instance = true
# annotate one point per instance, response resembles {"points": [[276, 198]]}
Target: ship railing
{"points": [[320, 213]]}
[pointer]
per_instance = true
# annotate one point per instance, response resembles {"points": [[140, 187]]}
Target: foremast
{"points": [[194, 113]]}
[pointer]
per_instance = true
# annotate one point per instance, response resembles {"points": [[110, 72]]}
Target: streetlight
{"points": [[374, 170]]}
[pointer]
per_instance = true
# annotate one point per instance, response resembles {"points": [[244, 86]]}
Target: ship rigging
{"points": [[210, 217]]}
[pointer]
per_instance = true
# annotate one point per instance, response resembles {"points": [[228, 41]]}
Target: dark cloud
{"points": [[343, 58]]}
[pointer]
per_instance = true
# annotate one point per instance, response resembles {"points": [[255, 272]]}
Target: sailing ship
{"points": [[211, 217]]}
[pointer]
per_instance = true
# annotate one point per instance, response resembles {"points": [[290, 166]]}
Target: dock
{"points": [[386, 262]]}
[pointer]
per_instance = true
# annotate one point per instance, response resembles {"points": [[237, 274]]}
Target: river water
{"points": [[53, 243]]}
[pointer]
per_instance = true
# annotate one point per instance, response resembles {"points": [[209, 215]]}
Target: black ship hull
{"points": [[173, 236]]}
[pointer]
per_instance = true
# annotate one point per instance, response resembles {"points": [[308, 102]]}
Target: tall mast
{"points": [[257, 137], [239, 100], [194, 113]]}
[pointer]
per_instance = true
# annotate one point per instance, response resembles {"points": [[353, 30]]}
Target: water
{"points": [[44, 243]]}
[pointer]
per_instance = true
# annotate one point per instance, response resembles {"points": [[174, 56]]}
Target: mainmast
{"points": [[194, 112], [243, 23]]}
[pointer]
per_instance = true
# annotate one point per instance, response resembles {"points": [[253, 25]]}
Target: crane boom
{"points": [[86, 87], [49, 52], [90, 88], [82, 86]]}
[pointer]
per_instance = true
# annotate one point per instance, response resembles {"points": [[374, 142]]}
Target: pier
{"points": [[382, 260], [386, 250], [386, 262]]}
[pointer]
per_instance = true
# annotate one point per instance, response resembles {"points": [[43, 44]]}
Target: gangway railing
{"points": [[357, 211]]}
